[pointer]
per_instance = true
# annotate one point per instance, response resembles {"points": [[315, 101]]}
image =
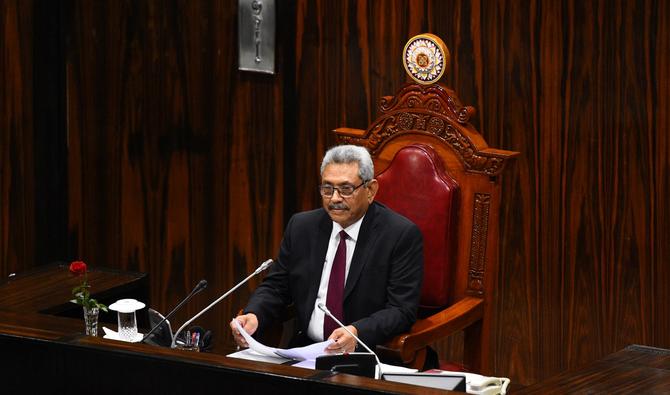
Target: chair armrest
{"points": [[425, 331]]}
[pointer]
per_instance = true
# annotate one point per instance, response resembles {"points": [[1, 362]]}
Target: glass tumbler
{"points": [[127, 320]]}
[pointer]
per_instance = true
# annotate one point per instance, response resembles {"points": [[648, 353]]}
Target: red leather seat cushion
{"points": [[417, 186]]}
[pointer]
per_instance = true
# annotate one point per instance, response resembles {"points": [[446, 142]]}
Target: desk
{"points": [[46, 353], [633, 370], [48, 289]]}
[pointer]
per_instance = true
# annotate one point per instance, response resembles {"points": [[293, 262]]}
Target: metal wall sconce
{"points": [[256, 32]]}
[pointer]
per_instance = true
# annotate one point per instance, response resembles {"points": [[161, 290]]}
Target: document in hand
{"points": [[305, 355], [298, 354]]}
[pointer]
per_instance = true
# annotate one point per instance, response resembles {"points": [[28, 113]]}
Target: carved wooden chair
{"points": [[434, 168]]}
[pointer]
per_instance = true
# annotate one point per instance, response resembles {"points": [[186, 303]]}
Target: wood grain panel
{"points": [[584, 188], [172, 149], [658, 112], [17, 198], [346, 59]]}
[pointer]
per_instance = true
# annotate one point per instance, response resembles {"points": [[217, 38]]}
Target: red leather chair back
{"points": [[417, 186]]}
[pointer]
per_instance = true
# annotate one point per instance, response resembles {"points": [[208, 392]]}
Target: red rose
{"points": [[78, 267]]}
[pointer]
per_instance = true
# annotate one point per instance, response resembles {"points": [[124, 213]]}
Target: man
{"points": [[369, 276]]}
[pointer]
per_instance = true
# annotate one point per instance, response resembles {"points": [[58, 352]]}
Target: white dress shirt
{"points": [[315, 328]]}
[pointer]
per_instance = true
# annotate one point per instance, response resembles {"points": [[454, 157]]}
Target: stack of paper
{"points": [[306, 356]]}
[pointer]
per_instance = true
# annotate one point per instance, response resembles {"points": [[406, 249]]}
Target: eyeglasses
{"points": [[345, 190]]}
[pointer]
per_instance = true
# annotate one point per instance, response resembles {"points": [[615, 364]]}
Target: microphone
{"points": [[323, 308], [262, 267], [198, 287]]}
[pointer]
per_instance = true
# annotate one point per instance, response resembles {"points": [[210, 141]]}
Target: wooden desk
{"points": [[48, 289], [45, 353], [633, 370]]}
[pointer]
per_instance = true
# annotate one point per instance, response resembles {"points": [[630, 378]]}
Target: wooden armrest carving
{"points": [[447, 322]]}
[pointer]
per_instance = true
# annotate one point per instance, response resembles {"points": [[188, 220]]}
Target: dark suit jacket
{"points": [[383, 285]]}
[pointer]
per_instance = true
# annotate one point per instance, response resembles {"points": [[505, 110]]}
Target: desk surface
{"points": [[48, 289], [633, 370], [45, 351]]}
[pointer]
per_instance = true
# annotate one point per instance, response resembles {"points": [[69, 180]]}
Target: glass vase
{"points": [[91, 320]]}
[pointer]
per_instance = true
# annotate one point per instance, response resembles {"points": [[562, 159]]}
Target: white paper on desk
{"points": [[299, 353], [253, 344], [113, 335], [306, 364], [478, 384], [252, 355], [386, 368], [306, 355]]}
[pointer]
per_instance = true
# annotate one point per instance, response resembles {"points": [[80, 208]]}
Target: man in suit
{"points": [[354, 255]]}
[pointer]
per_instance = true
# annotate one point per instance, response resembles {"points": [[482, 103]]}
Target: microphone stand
{"points": [[262, 267], [323, 308], [199, 287]]}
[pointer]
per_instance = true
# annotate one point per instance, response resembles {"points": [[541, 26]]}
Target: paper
{"points": [[306, 364], [253, 344], [386, 368], [252, 355], [305, 353], [113, 335], [478, 384], [306, 356], [298, 354]]}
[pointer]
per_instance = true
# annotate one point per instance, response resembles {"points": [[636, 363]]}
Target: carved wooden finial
{"points": [[425, 58], [431, 110]]}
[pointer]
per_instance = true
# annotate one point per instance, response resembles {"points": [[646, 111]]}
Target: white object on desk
{"points": [[480, 385], [127, 320], [113, 335], [305, 355], [299, 353], [252, 355]]}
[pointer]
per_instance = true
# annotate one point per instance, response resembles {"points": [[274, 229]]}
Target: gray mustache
{"points": [[338, 206]]}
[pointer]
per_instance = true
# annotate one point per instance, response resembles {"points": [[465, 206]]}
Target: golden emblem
{"points": [[425, 58]]}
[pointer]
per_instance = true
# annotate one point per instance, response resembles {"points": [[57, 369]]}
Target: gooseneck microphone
{"points": [[198, 287], [323, 308], [262, 267]]}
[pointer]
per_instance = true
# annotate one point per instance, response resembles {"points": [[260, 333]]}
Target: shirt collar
{"points": [[352, 230]]}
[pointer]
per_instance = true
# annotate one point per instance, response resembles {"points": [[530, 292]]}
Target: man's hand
{"points": [[344, 342], [247, 321]]}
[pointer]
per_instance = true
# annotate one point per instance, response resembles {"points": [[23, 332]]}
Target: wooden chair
{"points": [[436, 169]]}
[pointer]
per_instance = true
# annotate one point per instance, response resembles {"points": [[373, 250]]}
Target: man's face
{"points": [[345, 210]]}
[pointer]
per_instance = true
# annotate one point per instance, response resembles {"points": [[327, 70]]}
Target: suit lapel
{"points": [[318, 258], [366, 238]]}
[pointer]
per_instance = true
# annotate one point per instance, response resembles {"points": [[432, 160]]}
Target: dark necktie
{"points": [[336, 287]]}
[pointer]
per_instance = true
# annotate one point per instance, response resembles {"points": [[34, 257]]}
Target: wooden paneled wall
{"points": [[17, 199], [180, 165], [33, 189], [175, 156]]}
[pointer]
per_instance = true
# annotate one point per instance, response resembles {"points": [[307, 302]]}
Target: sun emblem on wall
{"points": [[425, 58]]}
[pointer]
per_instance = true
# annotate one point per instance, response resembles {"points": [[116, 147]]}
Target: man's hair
{"points": [[350, 154]]}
